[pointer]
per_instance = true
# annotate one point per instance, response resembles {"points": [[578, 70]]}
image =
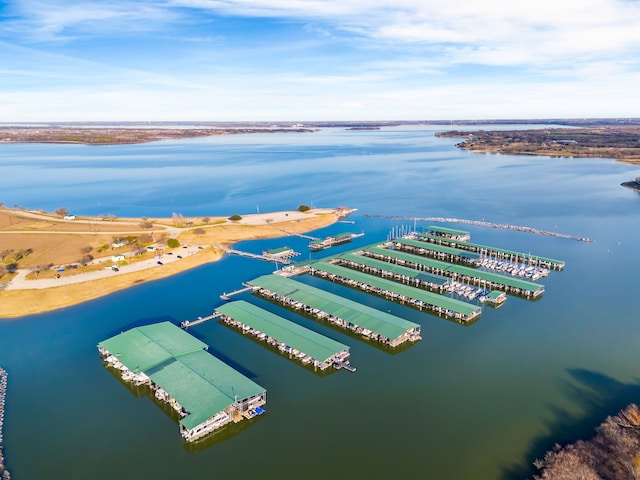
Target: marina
{"points": [[486, 280], [300, 343], [494, 252], [339, 311], [4, 473], [205, 392], [439, 252], [421, 299]]}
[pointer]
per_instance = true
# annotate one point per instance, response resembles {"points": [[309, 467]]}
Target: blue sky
{"points": [[297, 60]]}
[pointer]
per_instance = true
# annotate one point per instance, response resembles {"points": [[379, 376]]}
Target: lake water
{"points": [[475, 402]]}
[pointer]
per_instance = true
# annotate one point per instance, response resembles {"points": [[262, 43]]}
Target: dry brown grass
{"points": [[60, 249]]}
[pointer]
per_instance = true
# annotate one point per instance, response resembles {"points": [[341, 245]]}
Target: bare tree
{"points": [[145, 224], [144, 239], [178, 219], [87, 249], [5, 253], [41, 268], [3, 270], [86, 259], [206, 220], [139, 250], [61, 211], [199, 231]]}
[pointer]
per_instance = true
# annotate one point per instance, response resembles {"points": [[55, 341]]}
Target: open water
{"points": [[475, 402]]}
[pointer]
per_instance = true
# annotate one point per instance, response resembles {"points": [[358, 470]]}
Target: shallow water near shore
{"points": [[474, 402]]}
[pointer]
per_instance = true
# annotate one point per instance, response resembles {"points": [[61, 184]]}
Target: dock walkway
{"points": [[268, 258], [187, 323], [4, 473]]}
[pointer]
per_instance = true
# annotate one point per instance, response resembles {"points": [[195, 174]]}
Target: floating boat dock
{"points": [[334, 240], [339, 311], [265, 256], [4, 473], [494, 252], [421, 299], [451, 233], [290, 338], [206, 392], [473, 276], [439, 252]]}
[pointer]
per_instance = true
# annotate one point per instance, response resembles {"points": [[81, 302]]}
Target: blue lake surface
{"points": [[475, 402]]}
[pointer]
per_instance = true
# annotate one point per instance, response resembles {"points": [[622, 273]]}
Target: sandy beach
{"points": [[58, 242]]}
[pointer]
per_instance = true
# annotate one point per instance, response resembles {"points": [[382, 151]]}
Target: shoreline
{"points": [[16, 303]]}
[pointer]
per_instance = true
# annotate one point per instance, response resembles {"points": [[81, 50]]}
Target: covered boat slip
{"points": [[444, 232], [458, 272], [419, 298], [288, 336], [397, 272], [362, 319], [442, 252], [496, 252], [206, 392]]}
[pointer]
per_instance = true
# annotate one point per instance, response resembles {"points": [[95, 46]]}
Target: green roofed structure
{"points": [[362, 319], [450, 307], [441, 252], [448, 233], [461, 273], [491, 252], [206, 392], [289, 337]]}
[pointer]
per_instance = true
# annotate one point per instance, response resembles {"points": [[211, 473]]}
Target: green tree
{"points": [[173, 243], [235, 218], [304, 208]]}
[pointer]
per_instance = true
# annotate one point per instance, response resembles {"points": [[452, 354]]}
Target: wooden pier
{"points": [[301, 235], [4, 473], [187, 323]]}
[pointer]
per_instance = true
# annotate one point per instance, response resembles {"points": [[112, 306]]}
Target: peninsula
{"points": [[619, 142], [50, 261]]}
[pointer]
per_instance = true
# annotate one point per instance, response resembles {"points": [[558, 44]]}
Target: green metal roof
{"points": [[355, 313], [458, 269], [452, 231], [488, 249], [276, 251], [177, 362], [430, 298], [142, 348], [296, 336], [437, 248], [203, 385], [393, 268]]}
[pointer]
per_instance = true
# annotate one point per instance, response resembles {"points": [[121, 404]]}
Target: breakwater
{"points": [[4, 473], [482, 223]]}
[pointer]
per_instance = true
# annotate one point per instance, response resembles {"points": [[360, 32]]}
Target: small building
{"points": [[69, 217], [117, 258], [206, 392], [280, 253], [117, 244]]}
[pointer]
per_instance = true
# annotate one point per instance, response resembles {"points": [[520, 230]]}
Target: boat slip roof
{"points": [[437, 248], [203, 385], [451, 231], [355, 313], [488, 249], [509, 281], [430, 298], [296, 336], [393, 268], [142, 348], [176, 362]]}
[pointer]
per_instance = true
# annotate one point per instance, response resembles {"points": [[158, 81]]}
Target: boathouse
{"points": [[290, 338], [421, 299], [451, 233], [494, 252], [473, 276], [206, 392], [339, 311]]}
